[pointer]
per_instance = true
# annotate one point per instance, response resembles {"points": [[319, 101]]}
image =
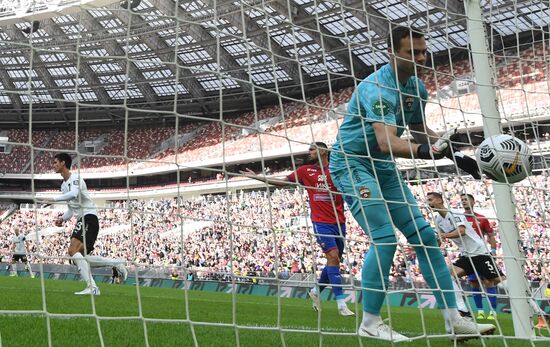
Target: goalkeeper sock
{"points": [[460, 304], [95, 261], [335, 280], [375, 273], [492, 294], [433, 266], [84, 269], [478, 299]]}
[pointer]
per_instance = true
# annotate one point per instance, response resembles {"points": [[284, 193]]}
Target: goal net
{"points": [[165, 107]]}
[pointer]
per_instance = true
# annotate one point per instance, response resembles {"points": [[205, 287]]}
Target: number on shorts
{"points": [[490, 266]]}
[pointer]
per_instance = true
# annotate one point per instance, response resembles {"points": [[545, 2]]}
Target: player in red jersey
{"points": [[479, 222], [483, 228], [327, 216]]}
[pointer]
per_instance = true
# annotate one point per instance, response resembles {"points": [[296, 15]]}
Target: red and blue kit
{"points": [[318, 183]]}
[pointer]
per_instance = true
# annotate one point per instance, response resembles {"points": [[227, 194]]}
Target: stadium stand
{"points": [[207, 223], [291, 122]]}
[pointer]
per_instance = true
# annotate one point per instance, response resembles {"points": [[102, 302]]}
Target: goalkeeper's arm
{"points": [[389, 142]]}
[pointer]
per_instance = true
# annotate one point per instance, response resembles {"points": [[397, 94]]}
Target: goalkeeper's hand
{"points": [[439, 149], [465, 162]]}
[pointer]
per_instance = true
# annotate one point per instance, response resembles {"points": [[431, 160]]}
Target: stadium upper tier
{"points": [[523, 92], [99, 60]]}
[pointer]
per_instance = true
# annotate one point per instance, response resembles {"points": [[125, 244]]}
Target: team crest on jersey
{"points": [[364, 192], [75, 182], [381, 107], [409, 101]]}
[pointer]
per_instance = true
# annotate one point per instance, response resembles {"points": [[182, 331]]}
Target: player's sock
{"points": [[492, 293], [30, 270], [335, 280], [84, 269], [95, 261], [478, 299], [430, 257], [460, 304], [323, 279], [379, 257], [341, 303]]}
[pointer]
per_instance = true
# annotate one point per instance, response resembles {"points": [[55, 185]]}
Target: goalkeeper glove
{"points": [[466, 163], [439, 149], [463, 161]]}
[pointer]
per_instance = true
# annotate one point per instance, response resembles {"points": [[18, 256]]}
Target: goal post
{"points": [[484, 73]]}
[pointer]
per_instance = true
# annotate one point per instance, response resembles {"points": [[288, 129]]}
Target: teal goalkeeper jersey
{"points": [[377, 99]]}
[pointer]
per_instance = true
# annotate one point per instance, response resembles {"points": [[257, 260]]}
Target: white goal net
{"points": [[166, 106]]}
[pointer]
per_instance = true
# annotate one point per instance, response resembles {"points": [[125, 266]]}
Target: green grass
{"points": [[70, 320]]}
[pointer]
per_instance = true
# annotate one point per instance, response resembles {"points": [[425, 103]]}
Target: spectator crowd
{"points": [[265, 234]]}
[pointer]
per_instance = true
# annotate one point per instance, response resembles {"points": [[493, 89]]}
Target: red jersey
{"points": [[321, 201], [480, 223]]}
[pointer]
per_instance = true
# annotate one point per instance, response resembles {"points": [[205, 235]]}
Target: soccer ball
{"points": [[504, 158]]}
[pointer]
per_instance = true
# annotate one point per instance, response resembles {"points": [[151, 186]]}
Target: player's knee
{"points": [[418, 229], [488, 283]]}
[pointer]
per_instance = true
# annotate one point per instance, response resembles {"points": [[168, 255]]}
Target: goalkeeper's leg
{"points": [[367, 205], [407, 217]]}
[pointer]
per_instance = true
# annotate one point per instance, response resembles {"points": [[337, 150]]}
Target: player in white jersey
{"points": [[19, 253], [81, 206], [475, 257]]}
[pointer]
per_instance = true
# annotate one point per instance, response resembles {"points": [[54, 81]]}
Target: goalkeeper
{"points": [[362, 166]]}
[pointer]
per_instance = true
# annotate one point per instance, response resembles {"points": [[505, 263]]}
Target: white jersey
{"points": [[469, 243], [75, 193], [19, 241]]}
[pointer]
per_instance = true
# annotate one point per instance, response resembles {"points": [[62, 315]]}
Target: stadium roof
{"points": [[168, 55]]}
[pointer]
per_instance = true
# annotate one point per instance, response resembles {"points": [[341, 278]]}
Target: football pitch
{"points": [[161, 317]]}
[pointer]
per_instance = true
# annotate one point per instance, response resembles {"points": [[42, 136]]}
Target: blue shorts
{"points": [[330, 236], [473, 278]]}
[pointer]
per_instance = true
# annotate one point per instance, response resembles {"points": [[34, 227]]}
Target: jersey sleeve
{"points": [[486, 227], [297, 175], [460, 220], [418, 115], [72, 193], [378, 103], [292, 177]]}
